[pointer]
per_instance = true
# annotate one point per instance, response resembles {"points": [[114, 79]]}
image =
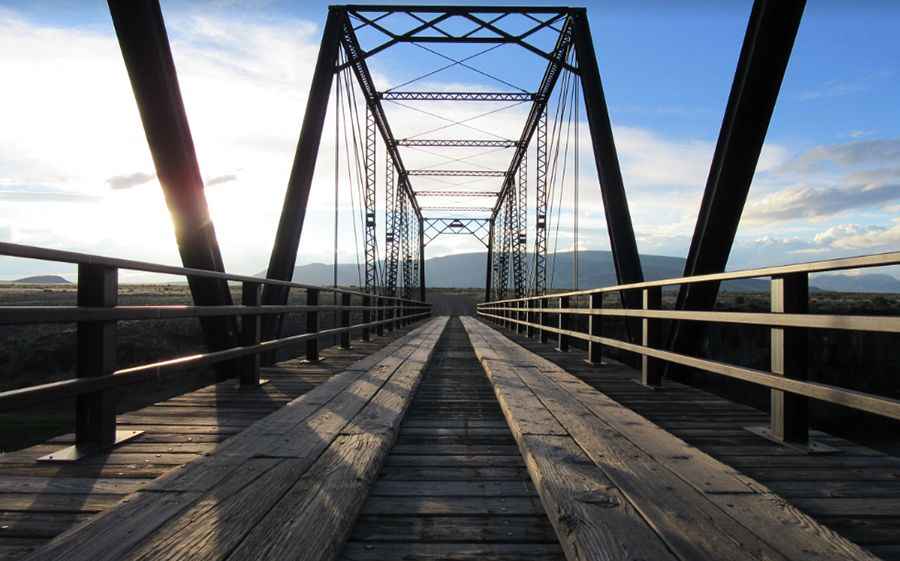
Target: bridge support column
{"points": [[293, 212], [766, 50], [615, 203], [144, 42]]}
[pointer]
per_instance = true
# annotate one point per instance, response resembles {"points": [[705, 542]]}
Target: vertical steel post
{"points": [[312, 325], [615, 203], [422, 259], [490, 263], [293, 212], [540, 187], [595, 329], [250, 335], [95, 412], [789, 414], [651, 368]]}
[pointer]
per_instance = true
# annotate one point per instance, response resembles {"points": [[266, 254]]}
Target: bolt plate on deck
{"points": [[79, 451]]}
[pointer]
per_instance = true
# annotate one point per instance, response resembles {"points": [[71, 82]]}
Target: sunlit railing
{"points": [[97, 313], [788, 321]]}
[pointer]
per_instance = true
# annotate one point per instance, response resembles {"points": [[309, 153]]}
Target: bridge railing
{"points": [[97, 313], [788, 322]]}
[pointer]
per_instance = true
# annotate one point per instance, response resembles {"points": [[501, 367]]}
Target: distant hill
{"points": [[870, 282], [467, 270], [42, 279]]}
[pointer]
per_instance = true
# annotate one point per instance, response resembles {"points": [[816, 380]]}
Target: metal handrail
{"points": [[46, 254], [859, 262], [788, 370]]}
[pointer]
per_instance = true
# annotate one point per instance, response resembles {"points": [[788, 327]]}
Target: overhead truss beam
{"points": [[453, 143], [479, 228], [456, 173], [456, 96], [456, 194]]}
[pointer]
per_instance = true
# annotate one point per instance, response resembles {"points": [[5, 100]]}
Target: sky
{"points": [[76, 172]]}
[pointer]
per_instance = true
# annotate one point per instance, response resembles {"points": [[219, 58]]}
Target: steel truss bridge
{"points": [[428, 438]]}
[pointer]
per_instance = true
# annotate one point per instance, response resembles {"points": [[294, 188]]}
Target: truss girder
{"points": [[352, 49], [519, 229], [391, 237], [457, 143], [479, 228], [371, 241], [456, 173], [476, 194], [548, 82], [456, 96], [540, 186]]}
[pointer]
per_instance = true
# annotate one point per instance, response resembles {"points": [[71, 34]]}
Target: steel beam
{"points": [[390, 234], [548, 82], [615, 204], [520, 231], [456, 173], [367, 85], [763, 61], [456, 194], [457, 143], [293, 212], [540, 187], [144, 42], [421, 259], [489, 269], [456, 96], [371, 241]]}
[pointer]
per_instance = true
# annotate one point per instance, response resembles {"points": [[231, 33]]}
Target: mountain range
{"points": [[467, 270]]}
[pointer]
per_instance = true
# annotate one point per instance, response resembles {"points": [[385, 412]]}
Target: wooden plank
{"points": [[627, 447], [199, 511], [456, 529], [360, 551]]}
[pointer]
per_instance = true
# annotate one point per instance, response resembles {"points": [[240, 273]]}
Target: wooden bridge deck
{"points": [[855, 492], [502, 454], [38, 501]]}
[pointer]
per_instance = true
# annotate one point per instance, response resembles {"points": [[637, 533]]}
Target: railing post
{"points": [[366, 318], [651, 368], [312, 325], [563, 340], [789, 418], [520, 315], [95, 413], [250, 335], [529, 317], [379, 316], [345, 320], [595, 329], [544, 334]]}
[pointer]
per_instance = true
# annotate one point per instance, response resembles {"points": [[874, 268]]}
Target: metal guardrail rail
{"points": [[788, 321], [97, 313]]}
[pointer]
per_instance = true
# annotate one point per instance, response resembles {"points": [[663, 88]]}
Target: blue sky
{"points": [[828, 182]]}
